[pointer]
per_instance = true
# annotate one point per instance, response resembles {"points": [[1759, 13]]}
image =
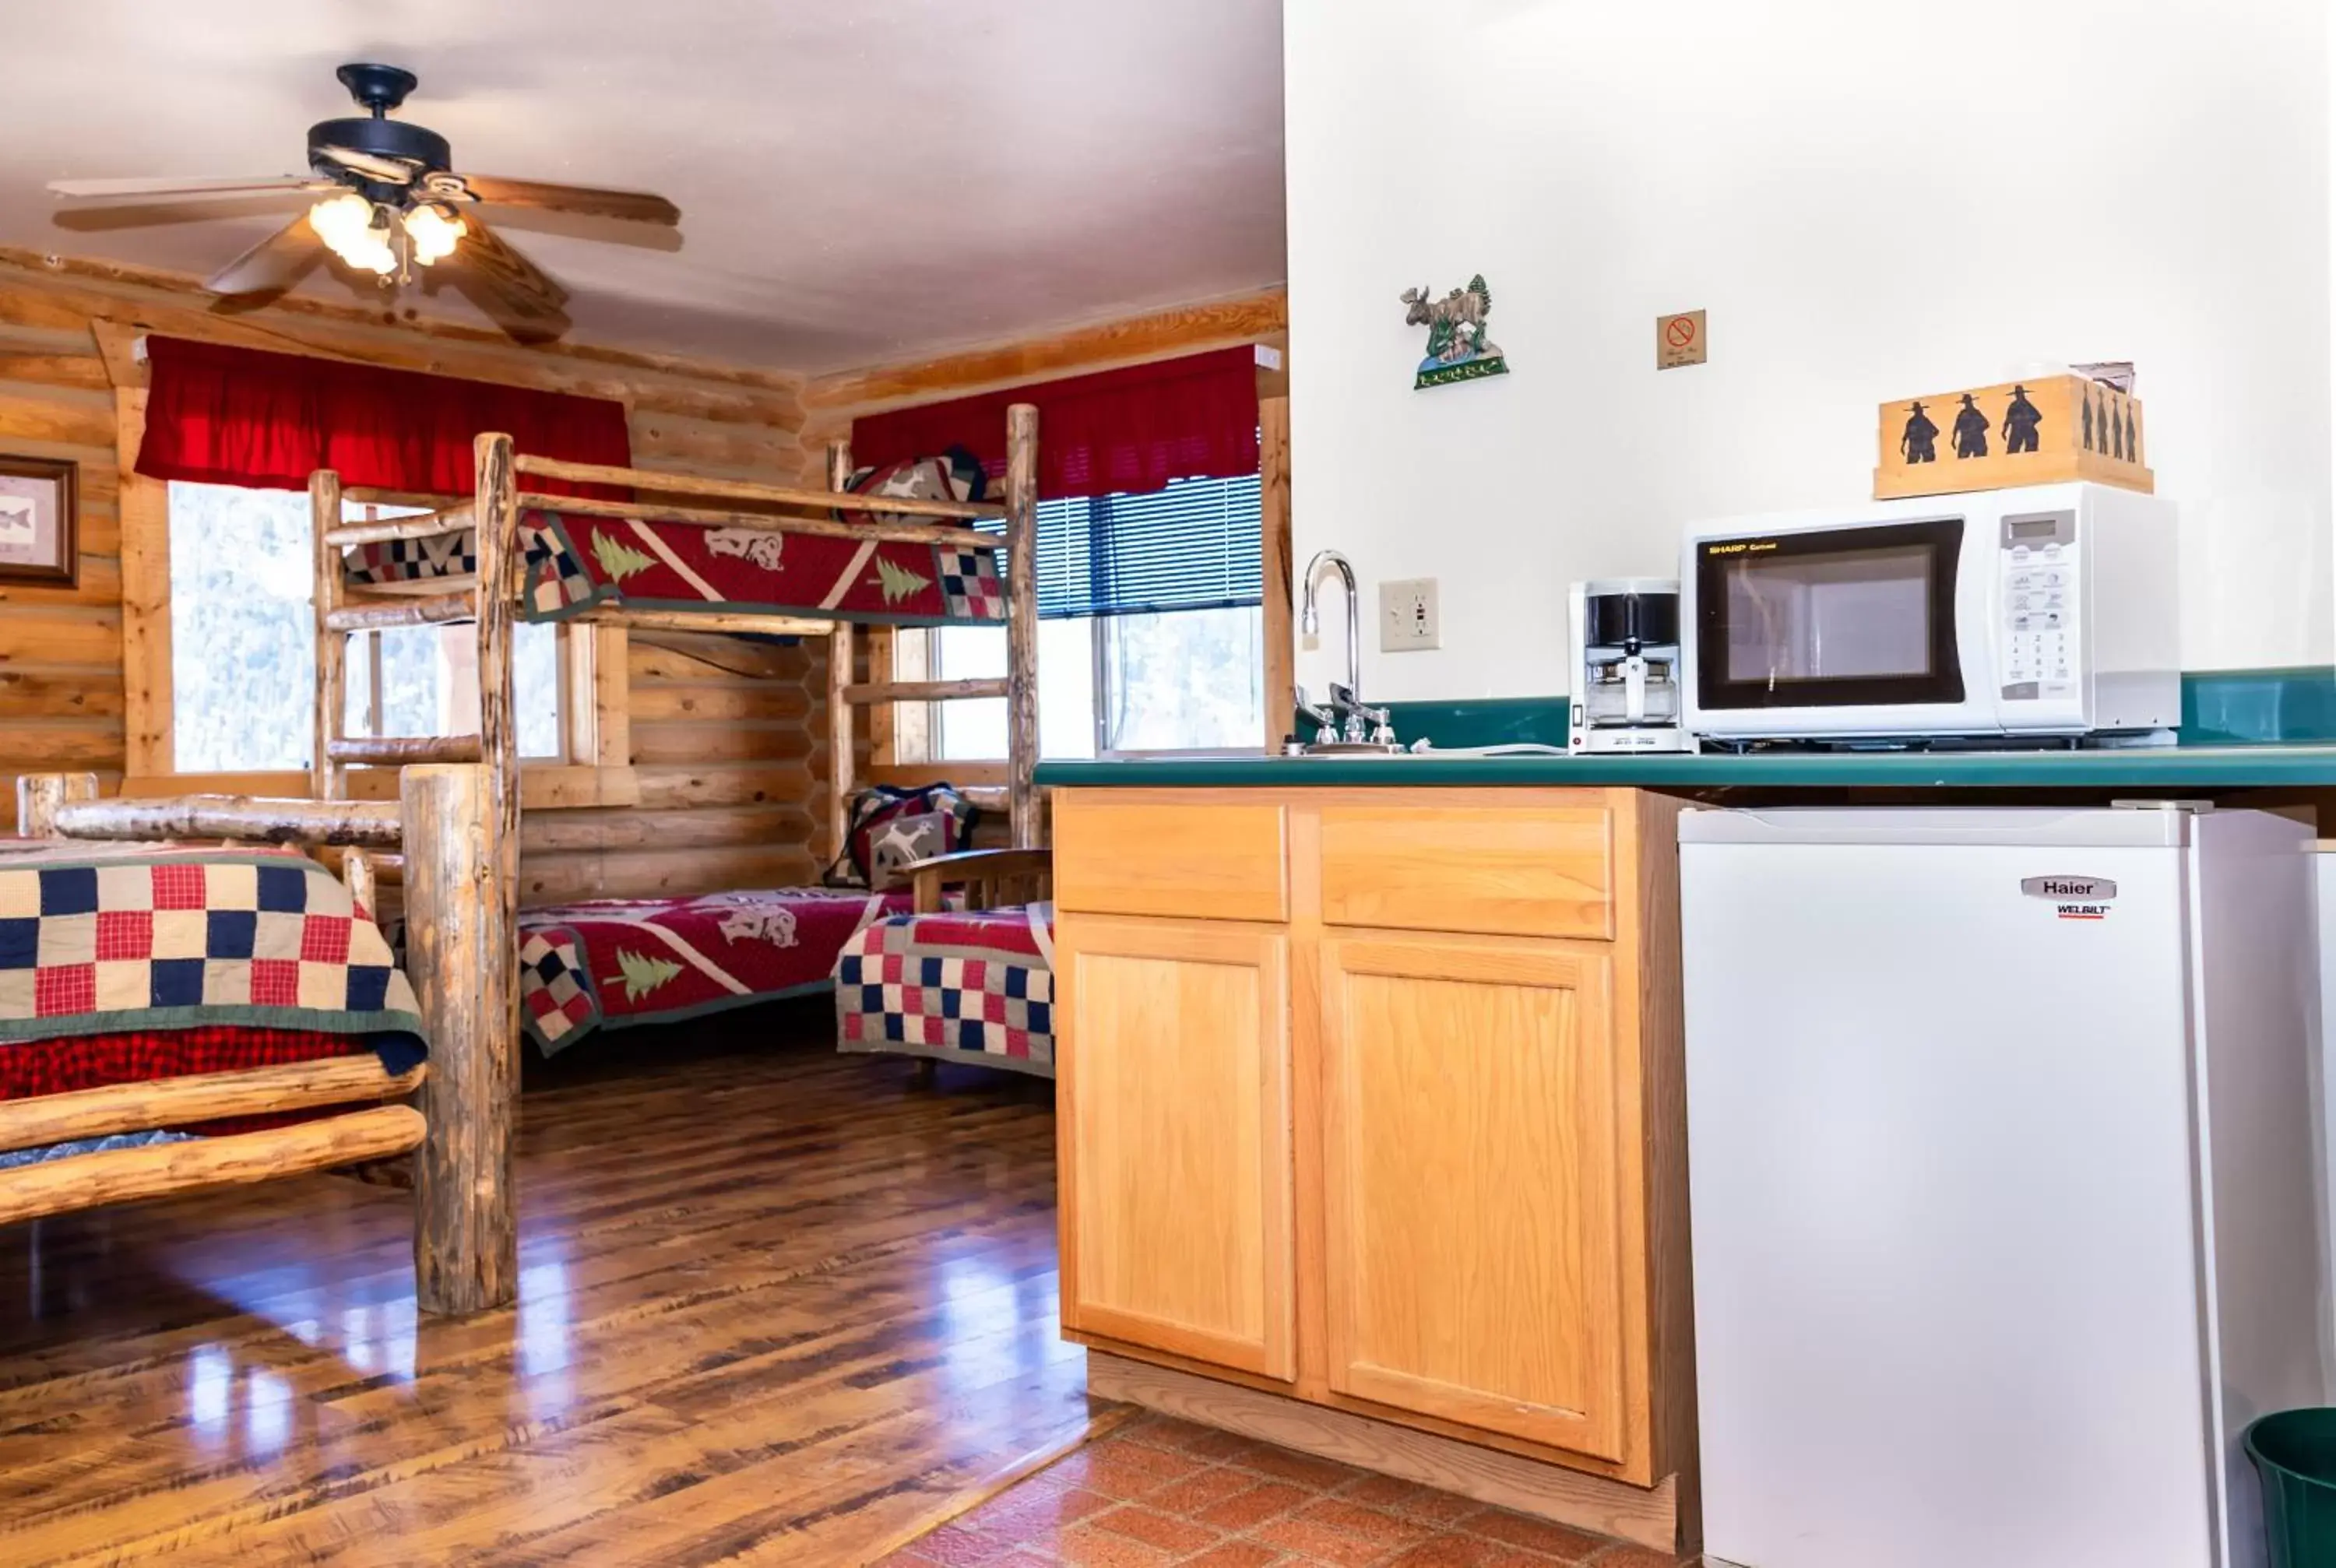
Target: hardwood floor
{"points": [[774, 1309]]}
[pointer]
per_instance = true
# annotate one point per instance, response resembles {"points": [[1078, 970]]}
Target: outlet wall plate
{"points": [[1409, 621]]}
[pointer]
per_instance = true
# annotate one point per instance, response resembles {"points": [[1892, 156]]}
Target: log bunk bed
{"points": [[451, 838]]}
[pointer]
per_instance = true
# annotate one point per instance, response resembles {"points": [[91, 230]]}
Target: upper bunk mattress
{"points": [[576, 562], [125, 962]]}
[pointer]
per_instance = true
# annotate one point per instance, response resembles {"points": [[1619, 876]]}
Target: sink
{"points": [[1348, 748]]}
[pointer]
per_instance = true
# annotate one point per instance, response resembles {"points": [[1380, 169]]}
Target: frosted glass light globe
{"points": [[346, 224], [434, 233]]}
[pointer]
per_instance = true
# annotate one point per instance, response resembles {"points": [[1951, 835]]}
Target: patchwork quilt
{"points": [[575, 562], [975, 987], [135, 938], [611, 963]]}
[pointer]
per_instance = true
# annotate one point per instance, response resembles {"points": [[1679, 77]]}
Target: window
{"points": [[243, 660], [1150, 637]]}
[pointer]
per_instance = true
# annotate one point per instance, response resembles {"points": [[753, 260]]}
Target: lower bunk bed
{"points": [[177, 1016], [609, 963]]}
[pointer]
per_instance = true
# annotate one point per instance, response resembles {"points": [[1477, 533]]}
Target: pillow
{"points": [[896, 819], [956, 475]]}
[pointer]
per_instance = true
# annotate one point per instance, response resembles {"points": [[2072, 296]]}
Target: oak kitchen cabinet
{"points": [[1370, 1100]]}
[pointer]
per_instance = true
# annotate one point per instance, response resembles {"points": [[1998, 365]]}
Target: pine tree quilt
{"points": [[610, 962], [574, 562]]}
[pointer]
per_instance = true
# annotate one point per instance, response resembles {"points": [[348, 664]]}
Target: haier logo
{"points": [[2073, 898]]}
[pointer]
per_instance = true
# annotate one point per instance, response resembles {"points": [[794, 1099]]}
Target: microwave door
{"points": [[1833, 619]]}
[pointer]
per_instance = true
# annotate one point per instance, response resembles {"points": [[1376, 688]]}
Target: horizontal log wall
{"points": [[61, 701], [725, 736]]}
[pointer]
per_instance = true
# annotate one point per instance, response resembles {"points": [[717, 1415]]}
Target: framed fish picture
{"points": [[40, 515]]}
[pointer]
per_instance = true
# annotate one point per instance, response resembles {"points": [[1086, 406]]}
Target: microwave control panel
{"points": [[2038, 639]]}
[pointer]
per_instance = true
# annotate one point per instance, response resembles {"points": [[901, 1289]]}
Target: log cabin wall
{"points": [[717, 753]]}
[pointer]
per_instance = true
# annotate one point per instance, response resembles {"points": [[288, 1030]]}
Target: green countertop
{"points": [[2199, 768]]}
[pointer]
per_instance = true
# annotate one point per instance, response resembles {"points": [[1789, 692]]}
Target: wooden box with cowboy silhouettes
{"points": [[2040, 431]]}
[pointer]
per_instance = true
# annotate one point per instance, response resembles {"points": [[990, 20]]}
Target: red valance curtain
{"points": [[223, 415], [1118, 429]]}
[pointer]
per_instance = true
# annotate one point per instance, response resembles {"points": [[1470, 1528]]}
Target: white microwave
{"points": [[2049, 610]]}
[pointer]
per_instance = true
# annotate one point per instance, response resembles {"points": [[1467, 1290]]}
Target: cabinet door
{"points": [[1174, 1064], [1473, 1204]]}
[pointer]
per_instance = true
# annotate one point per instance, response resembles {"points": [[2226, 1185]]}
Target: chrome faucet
{"points": [[1364, 726]]}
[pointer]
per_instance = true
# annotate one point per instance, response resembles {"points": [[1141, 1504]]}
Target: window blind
{"points": [[1193, 545]]}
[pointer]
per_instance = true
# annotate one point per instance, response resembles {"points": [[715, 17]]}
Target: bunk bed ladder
{"points": [[1018, 686]]}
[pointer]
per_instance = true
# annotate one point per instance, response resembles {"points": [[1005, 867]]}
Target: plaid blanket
{"points": [[29, 1068], [574, 562], [975, 986], [135, 938], [611, 963]]}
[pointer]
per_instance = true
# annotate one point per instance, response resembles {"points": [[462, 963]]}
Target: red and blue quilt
{"points": [[610, 962], [977, 987], [122, 963], [575, 562]]}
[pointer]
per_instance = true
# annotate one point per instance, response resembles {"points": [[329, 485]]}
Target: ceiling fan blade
{"points": [[275, 263], [103, 190], [527, 220], [517, 293], [634, 206], [389, 171]]}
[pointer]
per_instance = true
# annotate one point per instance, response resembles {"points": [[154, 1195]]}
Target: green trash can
{"points": [[2294, 1452]]}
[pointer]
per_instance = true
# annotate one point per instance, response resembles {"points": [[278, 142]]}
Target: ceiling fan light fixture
{"points": [[434, 232], [350, 229]]}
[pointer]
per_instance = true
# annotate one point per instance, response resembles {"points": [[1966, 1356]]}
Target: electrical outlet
{"points": [[1408, 622]]}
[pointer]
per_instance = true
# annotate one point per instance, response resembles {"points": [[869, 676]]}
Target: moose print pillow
{"points": [[891, 827]]}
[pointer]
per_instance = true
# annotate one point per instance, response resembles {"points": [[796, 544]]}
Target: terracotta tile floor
{"points": [[1159, 1491]]}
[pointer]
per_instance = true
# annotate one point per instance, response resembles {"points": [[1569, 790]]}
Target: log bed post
{"points": [[495, 527], [328, 778], [840, 740], [462, 944], [38, 796], [1022, 802]]}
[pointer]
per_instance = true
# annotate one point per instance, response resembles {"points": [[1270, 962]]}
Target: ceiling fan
{"points": [[385, 199]]}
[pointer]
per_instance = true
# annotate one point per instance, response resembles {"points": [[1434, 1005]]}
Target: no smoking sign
{"points": [[1679, 340]]}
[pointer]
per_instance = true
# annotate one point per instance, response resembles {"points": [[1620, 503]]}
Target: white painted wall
{"points": [[1872, 201]]}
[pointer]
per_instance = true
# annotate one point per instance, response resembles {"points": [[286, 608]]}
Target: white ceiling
{"points": [[861, 180]]}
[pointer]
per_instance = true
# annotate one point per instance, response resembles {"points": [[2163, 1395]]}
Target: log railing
{"points": [[245, 817], [165, 1169], [202, 1097]]}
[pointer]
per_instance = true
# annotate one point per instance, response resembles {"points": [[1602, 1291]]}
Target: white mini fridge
{"points": [[2003, 1162]]}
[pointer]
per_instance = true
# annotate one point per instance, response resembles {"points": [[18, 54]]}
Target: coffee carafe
{"points": [[1624, 638]]}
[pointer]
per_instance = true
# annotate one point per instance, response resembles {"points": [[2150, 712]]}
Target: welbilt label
{"points": [[2073, 898]]}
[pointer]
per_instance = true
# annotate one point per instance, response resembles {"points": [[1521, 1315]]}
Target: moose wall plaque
{"points": [[1458, 347]]}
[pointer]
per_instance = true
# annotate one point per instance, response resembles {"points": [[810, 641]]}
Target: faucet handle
{"points": [[1326, 720]]}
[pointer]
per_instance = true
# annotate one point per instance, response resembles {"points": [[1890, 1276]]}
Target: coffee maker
{"points": [[1623, 635]]}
